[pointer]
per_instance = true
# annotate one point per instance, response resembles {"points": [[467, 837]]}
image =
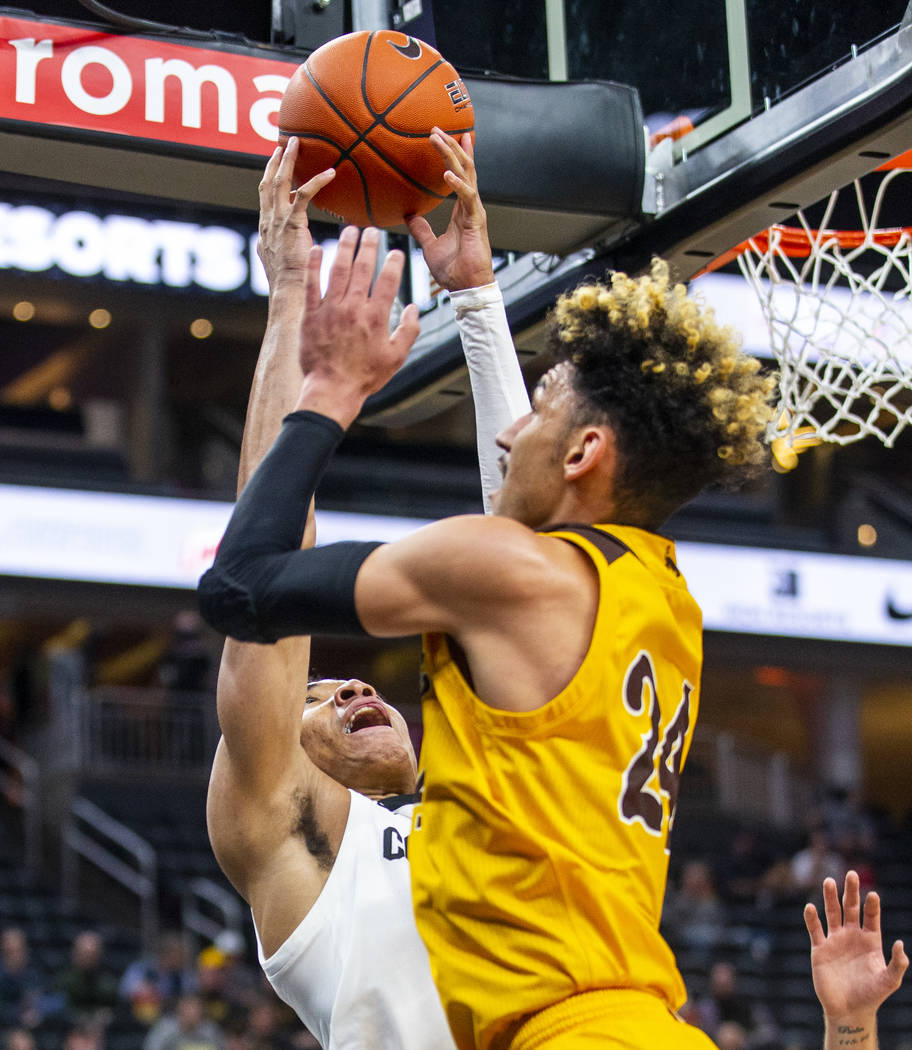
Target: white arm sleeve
{"points": [[497, 383]]}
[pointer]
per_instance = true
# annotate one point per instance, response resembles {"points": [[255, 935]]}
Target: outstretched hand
{"points": [[851, 978], [284, 236], [346, 349], [461, 256]]}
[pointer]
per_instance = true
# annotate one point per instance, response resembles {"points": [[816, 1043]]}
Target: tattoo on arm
{"points": [[849, 1036]]}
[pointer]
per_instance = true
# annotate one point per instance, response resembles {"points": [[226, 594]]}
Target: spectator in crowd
{"points": [[817, 861], [850, 826], [18, 1039], [211, 979], [235, 1039], [88, 988], [852, 832], [240, 983], [693, 916], [739, 872], [7, 712], [21, 985], [85, 1036], [152, 986], [186, 1028], [186, 665], [264, 1030], [731, 1036], [799, 877], [730, 1018]]}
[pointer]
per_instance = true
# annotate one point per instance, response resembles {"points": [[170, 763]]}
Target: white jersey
{"points": [[355, 970]]}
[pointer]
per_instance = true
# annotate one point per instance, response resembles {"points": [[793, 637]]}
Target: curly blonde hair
{"points": [[688, 408]]}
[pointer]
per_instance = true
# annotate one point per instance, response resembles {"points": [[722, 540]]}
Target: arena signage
{"points": [[107, 537], [129, 249], [165, 542], [71, 76], [151, 251]]}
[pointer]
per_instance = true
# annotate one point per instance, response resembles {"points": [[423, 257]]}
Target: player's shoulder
{"points": [[469, 568], [487, 534], [498, 549], [492, 525]]}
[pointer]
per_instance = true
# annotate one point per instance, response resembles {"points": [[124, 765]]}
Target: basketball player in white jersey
{"points": [[292, 811]]}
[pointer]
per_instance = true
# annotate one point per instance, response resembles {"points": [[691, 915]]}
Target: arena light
{"points": [[60, 398], [867, 535], [100, 318], [201, 328]]}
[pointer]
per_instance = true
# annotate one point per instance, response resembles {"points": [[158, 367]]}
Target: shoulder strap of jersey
{"points": [[394, 802], [611, 547]]}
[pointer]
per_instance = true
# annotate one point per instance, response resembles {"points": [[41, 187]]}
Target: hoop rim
{"points": [[799, 242], [904, 160]]}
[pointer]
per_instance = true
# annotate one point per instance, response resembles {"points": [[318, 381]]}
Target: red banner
{"points": [[73, 76]]}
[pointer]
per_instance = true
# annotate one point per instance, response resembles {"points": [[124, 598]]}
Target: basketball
{"points": [[365, 104]]}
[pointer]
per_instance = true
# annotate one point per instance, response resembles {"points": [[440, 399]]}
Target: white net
{"points": [[839, 308]]}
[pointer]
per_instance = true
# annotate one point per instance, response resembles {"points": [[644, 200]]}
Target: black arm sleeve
{"points": [[262, 586]]}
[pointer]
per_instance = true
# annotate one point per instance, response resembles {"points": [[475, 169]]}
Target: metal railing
{"points": [[133, 731], [203, 895], [91, 834], [759, 785], [20, 781], [127, 732]]}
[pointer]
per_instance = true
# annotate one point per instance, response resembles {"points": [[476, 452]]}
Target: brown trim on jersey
{"points": [[610, 546]]}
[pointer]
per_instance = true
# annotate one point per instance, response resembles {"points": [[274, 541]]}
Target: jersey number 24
{"points": [[654, 770]]}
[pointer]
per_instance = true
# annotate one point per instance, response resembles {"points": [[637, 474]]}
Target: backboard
{"points": [[784, 102]]}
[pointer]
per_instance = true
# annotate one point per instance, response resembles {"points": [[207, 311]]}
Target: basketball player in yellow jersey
{"points": [[563, 663], [562, 816]]}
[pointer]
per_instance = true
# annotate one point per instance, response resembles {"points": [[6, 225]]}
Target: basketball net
{"points": [[839, 308]]}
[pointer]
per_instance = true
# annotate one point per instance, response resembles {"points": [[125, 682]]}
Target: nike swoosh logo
{"points": [[895, 613], [411, 50]]}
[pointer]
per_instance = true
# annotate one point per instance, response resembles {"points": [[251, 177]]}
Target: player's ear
{"points": [[591, 446]]}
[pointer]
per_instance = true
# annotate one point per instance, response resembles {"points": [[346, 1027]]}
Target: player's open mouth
{"points": [[366, 717]]}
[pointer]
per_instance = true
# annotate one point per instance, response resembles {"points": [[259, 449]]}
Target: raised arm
{"points": [[487, 581], [283, 246], [460, 261], [261, 587], [851, 978], [262, 690]]}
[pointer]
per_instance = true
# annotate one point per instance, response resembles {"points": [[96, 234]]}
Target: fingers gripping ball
{"points": [[365, 104]]}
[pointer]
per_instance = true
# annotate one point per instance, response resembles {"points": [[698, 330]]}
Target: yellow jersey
{"points": [[539, 850]]}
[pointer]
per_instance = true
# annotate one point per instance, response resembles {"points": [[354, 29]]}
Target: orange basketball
{"points": [[365, 104]]}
